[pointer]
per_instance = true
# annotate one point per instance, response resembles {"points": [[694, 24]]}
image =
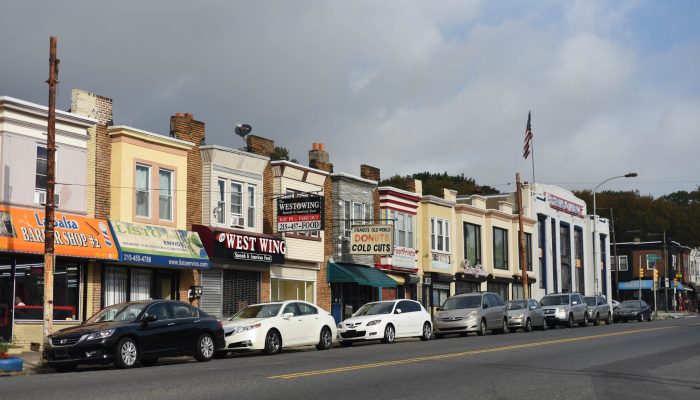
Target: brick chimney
{"points": [[99, 150], [318, 158], [184, 127], [369, 172], [260, 145]]}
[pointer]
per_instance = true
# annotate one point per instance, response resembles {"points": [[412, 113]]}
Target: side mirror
{"points": [[288, 315], [438, 308], [149, 318], [398, 311], [486, 306], [533, 307], [573, 303]]}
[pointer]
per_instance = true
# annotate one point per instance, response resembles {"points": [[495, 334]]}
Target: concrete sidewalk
{"points": [[676, 314]]}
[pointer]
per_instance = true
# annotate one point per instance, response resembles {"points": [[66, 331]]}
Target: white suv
{"points": [[565, 309]]}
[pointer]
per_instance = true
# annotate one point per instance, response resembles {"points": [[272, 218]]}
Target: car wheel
{"points": [[346, 343], [149, 362], [608, 321], [389, 334], [640, 318], [482, 328], [651, 316], [584, 323], [596, 320], [325, 340], [65, 368], [127, 353], [204, 349], [439, 336], [427, 332], [570, 321], [220, 354], [273, 342], [528, 325], [545, 325]]}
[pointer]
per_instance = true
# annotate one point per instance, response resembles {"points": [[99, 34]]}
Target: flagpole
{"points": [[532, 147]]}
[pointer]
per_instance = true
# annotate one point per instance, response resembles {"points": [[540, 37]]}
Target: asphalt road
{"points": [[660, 359]]}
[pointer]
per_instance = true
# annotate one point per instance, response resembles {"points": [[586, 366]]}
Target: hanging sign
{"points": [[299, 214]]}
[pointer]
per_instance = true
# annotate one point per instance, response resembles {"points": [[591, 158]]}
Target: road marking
{"points": [[460, 354]]}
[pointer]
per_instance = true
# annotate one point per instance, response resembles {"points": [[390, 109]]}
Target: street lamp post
{"points": [[595, 224]]}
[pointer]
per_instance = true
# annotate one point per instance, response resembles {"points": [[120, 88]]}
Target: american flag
{"points": [[528, 138]]}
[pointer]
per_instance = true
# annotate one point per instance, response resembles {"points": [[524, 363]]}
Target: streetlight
{"points": [[595, 224]]}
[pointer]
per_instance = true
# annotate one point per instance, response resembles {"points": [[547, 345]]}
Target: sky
{"points": [[405, 86]]}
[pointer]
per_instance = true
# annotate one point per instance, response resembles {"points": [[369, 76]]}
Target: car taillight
{"points": [[221, 324]]}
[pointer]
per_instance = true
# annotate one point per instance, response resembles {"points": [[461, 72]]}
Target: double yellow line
{"points": [[460, 354]]}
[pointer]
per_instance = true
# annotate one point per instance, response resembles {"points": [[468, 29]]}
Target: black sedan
{"points": [[632, 310], [134, 332]]}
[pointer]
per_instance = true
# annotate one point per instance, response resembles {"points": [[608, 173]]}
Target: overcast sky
{"points": [[406, 86]]}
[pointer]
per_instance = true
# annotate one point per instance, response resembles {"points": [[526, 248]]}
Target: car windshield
{"points": [[590, 301], [375, 309], [258, 311], [516, 305], [457, 302], [630, 304], [555, 300], [118, 312]]}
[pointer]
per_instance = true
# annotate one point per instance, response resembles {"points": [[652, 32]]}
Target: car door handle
{"points": [[197, 320], [171, 324]]}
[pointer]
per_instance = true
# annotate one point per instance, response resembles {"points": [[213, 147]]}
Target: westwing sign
{"points": [[300, 214]]}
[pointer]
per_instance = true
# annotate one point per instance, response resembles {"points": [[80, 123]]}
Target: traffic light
{"points": [[656, 275], [641, 271]]}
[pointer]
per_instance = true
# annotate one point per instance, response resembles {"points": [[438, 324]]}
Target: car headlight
{"points": [[240, 329], [375, 322], [473, 314], [518, 316], [561, 310], [100, 335], [339, 326]]}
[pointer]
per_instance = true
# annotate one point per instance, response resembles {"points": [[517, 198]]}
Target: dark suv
{"points": [[565, 309], [129, 333]]}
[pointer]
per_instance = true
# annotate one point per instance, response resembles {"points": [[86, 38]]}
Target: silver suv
{"points": [[471, 312], [598, 310], [565, 309]]}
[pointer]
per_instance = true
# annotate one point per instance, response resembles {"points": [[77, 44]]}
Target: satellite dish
{"points": [[243, 129]]}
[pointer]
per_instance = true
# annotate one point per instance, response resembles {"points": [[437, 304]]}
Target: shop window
{"points": [[440, 296], [29, 290], [292, 290], [141, 281], [114, 286], [499, 288]]}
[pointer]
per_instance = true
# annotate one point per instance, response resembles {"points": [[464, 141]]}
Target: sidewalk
{"points": [[677, 314], [31, 365]]}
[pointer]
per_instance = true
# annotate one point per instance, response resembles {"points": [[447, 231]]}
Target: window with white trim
{"points": [[354, 214], [403, 229], [165, 194], [251, 206], [439, 235], [236, 196], [143, 191], [221, 202], [622, 262]]}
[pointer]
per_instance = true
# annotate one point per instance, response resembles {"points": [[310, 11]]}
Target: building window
{"points": [[500, 248], [236, 203], [354, 214], [518, 290], [439, 235], [41, 167], [115, 284], [500, 288], [221, 202], [29, 288], [143, 191], [283, 289], [622, 262], [528, 252], [651, 264], [403, 229], [165, 195], [472, 244], [251, 206]]}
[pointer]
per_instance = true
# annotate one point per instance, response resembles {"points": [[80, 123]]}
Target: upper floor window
{"points": [[251, 206], [143, 190], [236, 203], [500, 248], [528, 251], [472, 243], [354, 214], [622, 262], [165, 195], [41, 167], [221, 202], [439, 235], [403, 229]]}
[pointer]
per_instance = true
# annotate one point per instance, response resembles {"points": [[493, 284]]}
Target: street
{"points": [[660, 359]]}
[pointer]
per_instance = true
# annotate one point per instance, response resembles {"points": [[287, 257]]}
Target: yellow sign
{"points": [[372, 239]]}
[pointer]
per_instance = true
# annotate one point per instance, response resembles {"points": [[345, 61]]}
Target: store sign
{"points": [[440, 262], [158, 245], [372, 239], [474, 270], [22, 230], [404, 258], [242, 247], [300, 214], [563, 205]]}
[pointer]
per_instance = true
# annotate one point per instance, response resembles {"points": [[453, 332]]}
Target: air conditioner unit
{"points": [[40, 198], [238, 221]]}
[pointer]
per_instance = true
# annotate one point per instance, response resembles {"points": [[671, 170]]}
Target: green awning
{"points": [[360, 274]]}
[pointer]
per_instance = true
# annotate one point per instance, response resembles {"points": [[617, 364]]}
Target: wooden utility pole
{"points": [[521, 238], [49, 256]]}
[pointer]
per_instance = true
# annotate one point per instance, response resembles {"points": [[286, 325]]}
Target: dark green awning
{"points": [[360, 274]]}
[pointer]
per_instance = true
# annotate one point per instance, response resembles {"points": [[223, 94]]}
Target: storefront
{"points": [[79, 241], [353, 285], [239, 259], [437, 289], [150, 264], [470, 279], [517, 285], [401, 266], [500, 286]]}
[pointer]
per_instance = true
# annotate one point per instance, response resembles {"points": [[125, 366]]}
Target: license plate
{"points": [[61, 353], [350, 331]]}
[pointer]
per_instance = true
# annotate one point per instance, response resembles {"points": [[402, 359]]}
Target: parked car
{"points": [[134, 332], [598, 310], [471, 312], [615, 304], [631, 310], [386, 321], [565, 309], [270, 327], [525, 314]]}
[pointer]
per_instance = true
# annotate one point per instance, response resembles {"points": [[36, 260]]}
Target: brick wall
{"points": [[94, 282], [265, 287], [323, 288], [184, 127], [369, 172], [373, 174], [260, 145]]}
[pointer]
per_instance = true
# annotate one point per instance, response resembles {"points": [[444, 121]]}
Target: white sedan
{"points": [[272, 326], [386, 320]]}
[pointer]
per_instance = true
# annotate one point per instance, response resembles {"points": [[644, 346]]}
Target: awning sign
{"points": [[300, 214], [372, 239], [22, 230], [158, 245]]}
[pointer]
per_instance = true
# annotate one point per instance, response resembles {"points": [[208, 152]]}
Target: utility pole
{"points": [[666, 279], [49, 256], [521, 238], [617, 267]]}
